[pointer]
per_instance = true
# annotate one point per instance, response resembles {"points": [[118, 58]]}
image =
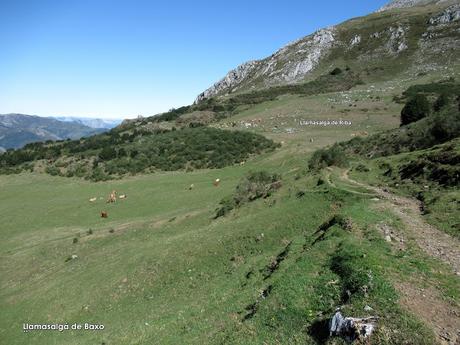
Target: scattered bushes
{"points": [[254, 186], [440, 166], [435, 129], [189, 148]]}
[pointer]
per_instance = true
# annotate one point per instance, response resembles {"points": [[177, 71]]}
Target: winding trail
{"points": [[427, 303], [434, 242]]}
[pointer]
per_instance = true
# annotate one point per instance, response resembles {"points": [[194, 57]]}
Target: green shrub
{"points": [[52, 170], [415, 109], [442, 101], [336, 71], [362, 168], [255, 185], [333, 156]]}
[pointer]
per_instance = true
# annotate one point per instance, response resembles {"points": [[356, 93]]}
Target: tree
{"points": [[415, 109]]}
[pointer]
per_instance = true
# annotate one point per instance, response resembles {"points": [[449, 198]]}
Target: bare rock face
{"points": [[230, 81], [449, 15], [407, 3], [289, 64]]}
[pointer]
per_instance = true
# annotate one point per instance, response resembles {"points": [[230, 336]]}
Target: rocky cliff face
{"points": [[289, 64], [363, 42]]}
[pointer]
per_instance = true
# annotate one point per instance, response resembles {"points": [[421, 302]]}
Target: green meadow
{"points": [[161, 270]]}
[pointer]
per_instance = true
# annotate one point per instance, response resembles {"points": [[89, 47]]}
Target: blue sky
{"points": [[122, 58]]}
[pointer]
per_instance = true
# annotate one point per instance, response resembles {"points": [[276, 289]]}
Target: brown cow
{"points": [[216, 182], [112, 197], [104, 214]]}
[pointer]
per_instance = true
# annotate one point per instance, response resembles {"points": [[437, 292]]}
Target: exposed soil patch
{"points": [[431, 309], [392, 236]]}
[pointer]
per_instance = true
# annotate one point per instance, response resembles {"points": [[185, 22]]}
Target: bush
{"points": [[254, 186], [328, 157], [415, 109], [362, 168], [336, 71], [52, 170]]}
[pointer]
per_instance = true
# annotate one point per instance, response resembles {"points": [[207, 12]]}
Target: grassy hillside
{"points": [[380, 46], [163, 269], [113, 154], [160, 269], [420, 159]]}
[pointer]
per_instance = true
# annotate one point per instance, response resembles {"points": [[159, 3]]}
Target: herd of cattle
{"points": [[112, 198]]}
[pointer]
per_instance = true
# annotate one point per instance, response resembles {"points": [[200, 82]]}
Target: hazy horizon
{"points": [[121, 59]]}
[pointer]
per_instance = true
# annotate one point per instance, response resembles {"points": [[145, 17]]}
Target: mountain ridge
{"points": [[347, 42], [17, 130]]}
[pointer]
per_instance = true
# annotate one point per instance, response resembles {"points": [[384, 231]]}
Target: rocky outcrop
{"points": [[397, 42], [355, 40], [230, 81], [289, 64], [449, 15], [408, 3]]}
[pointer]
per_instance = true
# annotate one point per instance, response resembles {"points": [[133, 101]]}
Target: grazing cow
{"points": [[216, 182], [191, 186], [112, 197], [122, 196], [93, 199], [104, 214]]}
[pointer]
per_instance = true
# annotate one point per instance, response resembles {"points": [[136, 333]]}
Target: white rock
{"points": [[355, 40], [449, 15]]}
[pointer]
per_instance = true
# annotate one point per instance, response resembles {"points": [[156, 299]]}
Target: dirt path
{"points": [[434, 242], [426, 303]]}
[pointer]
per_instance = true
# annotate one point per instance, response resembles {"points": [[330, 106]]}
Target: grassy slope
{"points": [[440, 202], [169, 274]]}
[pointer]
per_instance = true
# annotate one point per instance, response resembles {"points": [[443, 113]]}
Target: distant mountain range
{"points": [[91, 122], [17, 130]]}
